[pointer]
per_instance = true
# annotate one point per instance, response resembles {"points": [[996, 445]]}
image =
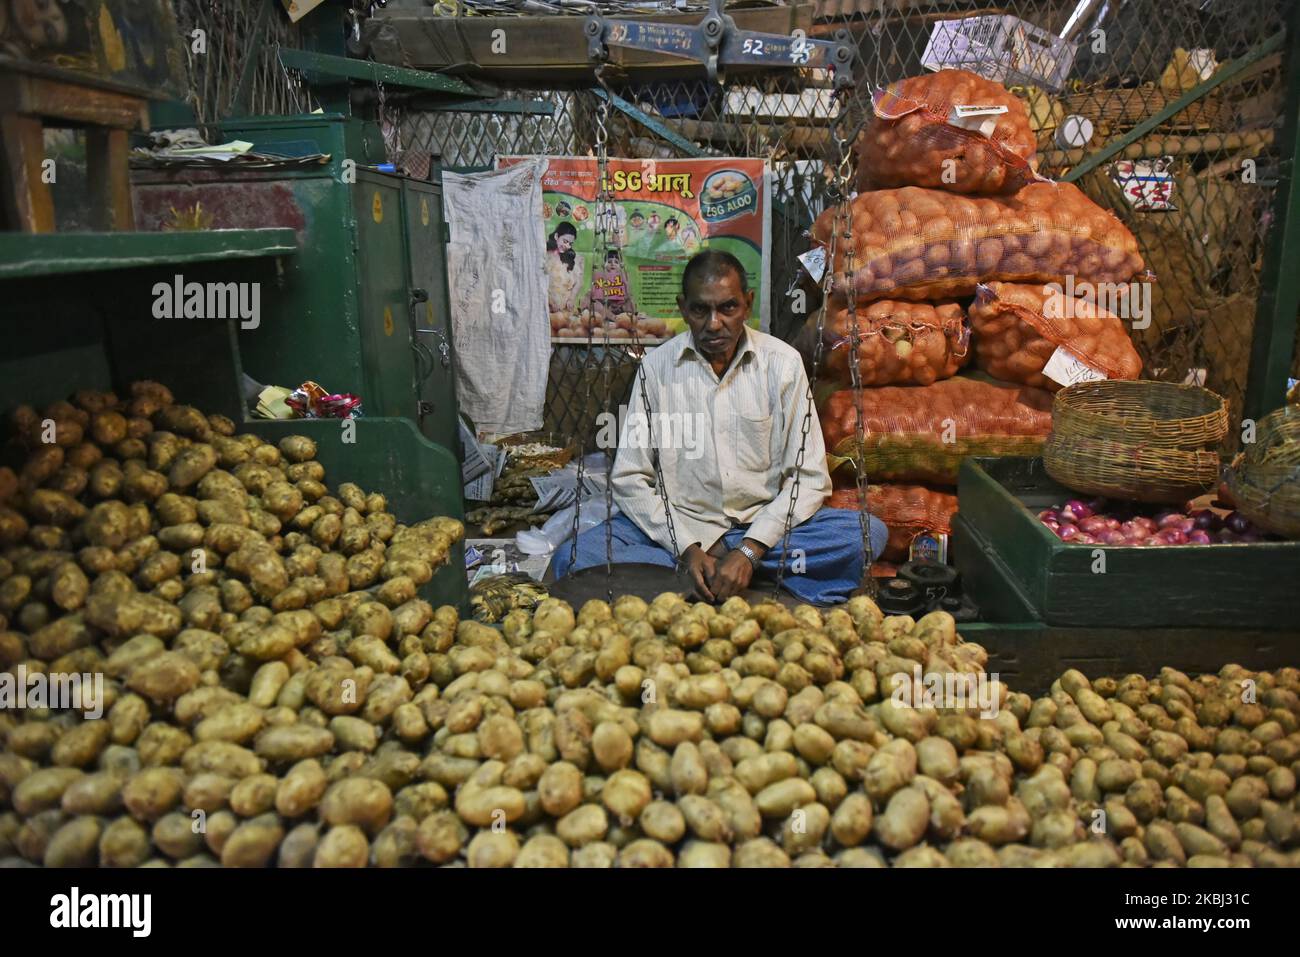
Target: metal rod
{"points": [[1272, 344], [1171, 109], [649, 122]]}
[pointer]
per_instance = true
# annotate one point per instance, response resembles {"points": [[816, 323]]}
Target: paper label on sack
{"points": [[980, 119], [814, 263], [1068, 369]]}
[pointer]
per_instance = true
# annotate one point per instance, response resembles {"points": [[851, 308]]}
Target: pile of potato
{"points": [[1018, 327], [915, 243], [899, 343], [909, 141], [295, 704]]}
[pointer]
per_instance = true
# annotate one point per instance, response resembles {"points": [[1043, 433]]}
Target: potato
{"points": [[342, 846]]}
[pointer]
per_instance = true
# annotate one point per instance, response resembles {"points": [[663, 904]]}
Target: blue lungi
{"points": [[823, 561]]}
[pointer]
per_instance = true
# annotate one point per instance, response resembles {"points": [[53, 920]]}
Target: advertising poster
{"points": [[664, 212]]}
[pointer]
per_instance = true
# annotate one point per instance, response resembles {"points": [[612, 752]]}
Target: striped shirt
{"points": [[728, 448]]}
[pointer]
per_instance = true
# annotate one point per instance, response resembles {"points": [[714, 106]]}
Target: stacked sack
{"points": [[958, 255]]}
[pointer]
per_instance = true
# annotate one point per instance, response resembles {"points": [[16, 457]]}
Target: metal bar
{"points": [[1177, 106], [649, 122], [347, 68], [252, 57], [1279, 288], [520, 107]]}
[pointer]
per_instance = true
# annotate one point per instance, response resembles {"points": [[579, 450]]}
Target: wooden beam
{"points": [[28, 205], [1163, 145], [71, 102], [109, 179]]}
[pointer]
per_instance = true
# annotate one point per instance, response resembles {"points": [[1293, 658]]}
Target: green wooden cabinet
{"points": [[347, 311]]}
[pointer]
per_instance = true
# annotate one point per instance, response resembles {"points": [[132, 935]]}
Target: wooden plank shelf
{"points": [[24, 255]]}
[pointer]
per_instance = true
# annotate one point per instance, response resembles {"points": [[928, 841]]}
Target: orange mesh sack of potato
{"points": [[914, 243], [906, 510], [950, 130], [899, 343], [1017, 328], [922, 433]]}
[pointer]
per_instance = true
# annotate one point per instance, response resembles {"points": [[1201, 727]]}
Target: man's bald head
{"points": [[713, 264]]}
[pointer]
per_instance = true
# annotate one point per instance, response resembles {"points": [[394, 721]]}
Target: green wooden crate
{"points": [[420, 479], [1013, 558]]}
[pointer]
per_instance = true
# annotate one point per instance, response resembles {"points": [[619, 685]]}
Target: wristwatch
{"points": [[750, 554]]}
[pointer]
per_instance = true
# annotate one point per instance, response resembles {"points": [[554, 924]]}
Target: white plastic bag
{"points": [[559, 527]]}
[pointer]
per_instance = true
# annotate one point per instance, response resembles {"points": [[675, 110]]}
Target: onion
{"points": [[1169, 519], [1112, 536], [1206, 519], [1185, 525], [1199, 536], [1236, 522], [1226, 536], [1052, 523], [1074, 510], [1049, 514], [1067, 531], [1134, 532], [1155, 540], [1172, 536], [1083, 538], [1094, 523], [1144, 522]]}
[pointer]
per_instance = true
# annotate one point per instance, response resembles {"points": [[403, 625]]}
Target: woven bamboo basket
{"points": [[1130, 471], [1163, 415], [1266, 482], [564, 453]]}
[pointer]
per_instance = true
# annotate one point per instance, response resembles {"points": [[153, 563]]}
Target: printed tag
{"points": [[814, 263], [980, 119], [1067, 368]]}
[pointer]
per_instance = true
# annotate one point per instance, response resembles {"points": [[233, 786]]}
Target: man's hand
{"points": [[702, 567], [732, 576]]}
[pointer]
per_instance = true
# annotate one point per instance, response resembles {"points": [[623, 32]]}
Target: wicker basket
{"points": [[1266, 483], [1140, 412], [1135, 472], [550, 460]]}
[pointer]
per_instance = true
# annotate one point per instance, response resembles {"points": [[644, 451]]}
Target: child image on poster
{"points": [[611, 289], [565, 268]]}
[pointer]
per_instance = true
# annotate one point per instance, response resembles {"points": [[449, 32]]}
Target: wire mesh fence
{"points": [[223, 80], [1196, 188]]}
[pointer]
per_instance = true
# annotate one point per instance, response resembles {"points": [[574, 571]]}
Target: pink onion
{"points": [[1170, 519], [1052, 523], [1112, 536], [1074, 510], [1094, 523], [1135, 532], [1172, 536], [1083, 538], [1067, 531], [1199, 536], [1206, 519], [1155, 540], [1144, 522]]}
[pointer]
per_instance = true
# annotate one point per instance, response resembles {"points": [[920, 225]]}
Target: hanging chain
{"points": [[605, 210], [827, 277], [638, 352], [844, 226]]}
